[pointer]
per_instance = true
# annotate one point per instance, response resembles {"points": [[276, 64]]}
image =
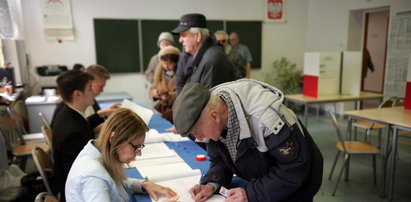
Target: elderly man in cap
{"points": [[164, 39], [209, 65], [251, 133]]}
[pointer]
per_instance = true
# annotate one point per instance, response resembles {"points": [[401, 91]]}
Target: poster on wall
{"points": [[57, 19], [275, 11]]}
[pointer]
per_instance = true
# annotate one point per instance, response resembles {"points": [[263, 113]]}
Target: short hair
{"points": [[222, 32], [170, 57], [98, 71], [125, 126], [204, 32], [70, 81], [78, 66]]}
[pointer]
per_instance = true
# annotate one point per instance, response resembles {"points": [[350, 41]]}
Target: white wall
{"points": [[279, 40], [312, 25]]}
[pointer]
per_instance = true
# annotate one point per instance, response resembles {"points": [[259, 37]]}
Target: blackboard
{"points": [[250, 35], [117, 46]]}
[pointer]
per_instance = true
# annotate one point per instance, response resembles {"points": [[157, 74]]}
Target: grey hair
{"points": [[222, 32], [204, 32]]}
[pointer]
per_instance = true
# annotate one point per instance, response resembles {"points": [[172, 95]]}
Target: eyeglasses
{"points": [[221, 41], [137, 147]]}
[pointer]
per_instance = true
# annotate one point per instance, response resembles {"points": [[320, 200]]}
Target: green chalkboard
{"points": [[117, 46], [250, 35]]}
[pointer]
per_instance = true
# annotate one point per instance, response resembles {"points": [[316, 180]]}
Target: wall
{"points": [[279, 40]]}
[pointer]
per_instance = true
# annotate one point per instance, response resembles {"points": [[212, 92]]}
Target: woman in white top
{"points": [[97, 173]]}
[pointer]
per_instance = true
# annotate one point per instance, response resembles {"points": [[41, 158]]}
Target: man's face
{"points": [[234, 40], [206, 128], [221, 39], [168, 65], [190, 41], [98, 85], [87, 95]]}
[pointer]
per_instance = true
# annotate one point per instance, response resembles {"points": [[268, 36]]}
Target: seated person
{"points": [[79, 66], [71, 130], [103, 179], [95, 115], [164, 85]]}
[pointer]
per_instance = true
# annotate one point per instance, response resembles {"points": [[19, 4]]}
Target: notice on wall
{"points": [[57, 19], [399, 49]]}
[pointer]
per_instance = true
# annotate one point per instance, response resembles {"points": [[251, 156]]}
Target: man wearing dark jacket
{"points": [[209, 65], [251, 133], [71, 130]]}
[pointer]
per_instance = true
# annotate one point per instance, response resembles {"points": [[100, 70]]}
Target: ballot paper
{"points": [[156, 150], [33, 136], [182, 186], [153, 136], [139, 163], [167, 172], [141, 111]]}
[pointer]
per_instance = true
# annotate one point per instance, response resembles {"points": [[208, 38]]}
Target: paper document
{"points": [[156, 150], [182, 185], [143, 112], [167, 172], [139, 163], [152, 136]]}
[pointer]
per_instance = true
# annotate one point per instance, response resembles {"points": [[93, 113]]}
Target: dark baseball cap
{"points": [[188, 107], [190, 20]]}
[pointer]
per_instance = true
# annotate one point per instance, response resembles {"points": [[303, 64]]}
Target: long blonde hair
{"points": [[125, 126]]}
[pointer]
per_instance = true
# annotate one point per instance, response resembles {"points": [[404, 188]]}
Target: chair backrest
{"points": [[10, 130], [45, 197], [49, 137], [44, 121], [337, 128], [388, 103], [43, 162]]}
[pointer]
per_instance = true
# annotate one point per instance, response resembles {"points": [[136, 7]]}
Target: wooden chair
{"points": [[45, 197], [43, 163], [349, 148], [44, 121], [49, 137], [15, 141], [369, 125], [28, 137]]}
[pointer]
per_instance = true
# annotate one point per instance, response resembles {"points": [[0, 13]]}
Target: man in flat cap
{"points": [[251, 133], [202, 60]]}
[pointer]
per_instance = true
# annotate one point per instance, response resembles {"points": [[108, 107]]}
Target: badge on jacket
{"points": [[287, 149]]}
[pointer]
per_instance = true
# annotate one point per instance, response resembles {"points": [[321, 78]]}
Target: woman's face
{"points": [[168, 65], [128, 153]]}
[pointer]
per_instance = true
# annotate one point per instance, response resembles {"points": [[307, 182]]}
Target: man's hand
{"points": [[201, 192], [155, 190], [108, 110], [172, 129], [236, 195]]}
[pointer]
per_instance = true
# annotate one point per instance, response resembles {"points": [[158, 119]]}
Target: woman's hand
{"points": [[155, 190]]}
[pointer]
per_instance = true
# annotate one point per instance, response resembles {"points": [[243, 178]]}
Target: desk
{"points": [[395, 117], [306, 100], [46, 105]]}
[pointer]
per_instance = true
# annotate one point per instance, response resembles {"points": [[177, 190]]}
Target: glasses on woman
{"points": [[137, 147]]}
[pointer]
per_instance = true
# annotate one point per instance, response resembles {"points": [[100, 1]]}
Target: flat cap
{"points": [[188, 107], [190, 20]]}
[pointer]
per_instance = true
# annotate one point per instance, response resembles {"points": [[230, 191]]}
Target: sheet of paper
{"points": [[139, 163], [143, 112], [33, 136], [171, 137], [156, 150], [167, 172], [182, 185], [152, 136]]}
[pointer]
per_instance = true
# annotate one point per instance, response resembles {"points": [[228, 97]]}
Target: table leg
{"points": [[392, 163], [384, 160]]}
